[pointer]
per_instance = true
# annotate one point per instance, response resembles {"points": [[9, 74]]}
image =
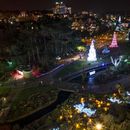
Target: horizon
{"points": [[92, 5]]}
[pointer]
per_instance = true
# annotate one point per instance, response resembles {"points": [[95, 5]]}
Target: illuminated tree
{"points": [[114, 41], [92, 52], [128, 35], [119, 24], [116, 61]]}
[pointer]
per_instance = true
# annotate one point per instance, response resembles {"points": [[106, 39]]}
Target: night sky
{"points": [[77, 5]]}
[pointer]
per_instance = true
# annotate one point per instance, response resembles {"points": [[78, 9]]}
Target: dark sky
{"points": [[95, 5]]}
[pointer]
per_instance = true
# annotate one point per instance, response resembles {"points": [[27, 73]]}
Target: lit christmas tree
{"points": [[114, 41], [119, 20], [119, 25], [92, 52], [128, 36]]}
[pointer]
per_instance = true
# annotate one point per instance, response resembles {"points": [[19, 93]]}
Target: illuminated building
{"points": [[23, 14], [60, 8]]}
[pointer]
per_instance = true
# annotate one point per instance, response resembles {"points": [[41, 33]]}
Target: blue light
{"points": [[103, 64]]}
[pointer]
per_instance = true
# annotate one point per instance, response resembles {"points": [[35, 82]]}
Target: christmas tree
{"points": [[92, 52], [114, 41], [119, 25], [128, 36], [119, 20]]}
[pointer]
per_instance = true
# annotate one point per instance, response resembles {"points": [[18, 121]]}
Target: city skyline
{"points": [[92, 5]]}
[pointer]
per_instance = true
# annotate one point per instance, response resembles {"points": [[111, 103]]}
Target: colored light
{"points": [[114, 41], [17, 74], [98, 126], [77, 126]]}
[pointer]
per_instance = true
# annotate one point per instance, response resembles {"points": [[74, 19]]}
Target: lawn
{"points": [[75, 67], [31, 99], [71, 68], [125, 47], [27, 92], [4, 91]]}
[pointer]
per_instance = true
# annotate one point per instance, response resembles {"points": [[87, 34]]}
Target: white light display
{"points": [[92, 52], [128, 93], [82, 108], [116, 61], [115, 100]]}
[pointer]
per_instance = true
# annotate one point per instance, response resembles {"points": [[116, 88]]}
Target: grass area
{"points": [[73, 67], [4, 91], [31, 99], [125, 48], [27, 92]]}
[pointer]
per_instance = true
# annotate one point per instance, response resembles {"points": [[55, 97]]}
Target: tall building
{"points": [[61, 8]]}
